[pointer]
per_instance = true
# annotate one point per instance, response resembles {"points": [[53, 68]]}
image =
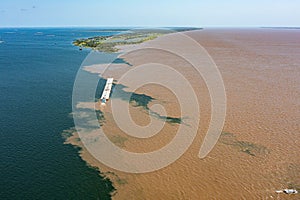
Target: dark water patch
{"points": [[249, 148], [142, 100], [100, 88], [116, 178], [68, 133], [100, 117], [37, 75], [172, 120], [138, 100], [121, 61], [105, 180]]}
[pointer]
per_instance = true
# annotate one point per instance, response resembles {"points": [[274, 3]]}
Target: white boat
{"points": [[288, 191], [107, 90]]}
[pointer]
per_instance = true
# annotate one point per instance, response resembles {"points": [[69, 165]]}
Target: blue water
{"points": [[37, 71]]}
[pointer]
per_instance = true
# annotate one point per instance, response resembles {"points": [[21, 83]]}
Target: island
{"points": [[109, 43]]}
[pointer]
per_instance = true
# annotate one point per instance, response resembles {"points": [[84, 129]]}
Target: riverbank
{"points": [[114, 43]]}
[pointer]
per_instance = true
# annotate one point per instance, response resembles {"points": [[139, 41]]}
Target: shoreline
{"points": [[247, 156], [131, 37]]}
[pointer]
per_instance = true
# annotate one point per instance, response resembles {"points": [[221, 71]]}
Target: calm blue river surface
{"points": [[37, 71]]}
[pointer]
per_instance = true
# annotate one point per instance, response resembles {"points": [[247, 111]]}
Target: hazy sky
{"points": [[149, 13]]}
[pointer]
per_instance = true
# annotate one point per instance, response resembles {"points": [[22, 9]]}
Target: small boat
{"points": [[107, 90], [287, 191], [290, 191]]}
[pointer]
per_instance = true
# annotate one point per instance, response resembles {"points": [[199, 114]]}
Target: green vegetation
{"points": [[109, 43]]}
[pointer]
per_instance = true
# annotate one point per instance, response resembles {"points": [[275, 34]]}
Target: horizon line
{"points": [[128, 27]]}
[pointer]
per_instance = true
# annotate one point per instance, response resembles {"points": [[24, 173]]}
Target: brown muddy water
{"points": [[257, 152]]}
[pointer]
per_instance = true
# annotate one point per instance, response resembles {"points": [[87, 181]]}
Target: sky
{"points": [[154, 13]]}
